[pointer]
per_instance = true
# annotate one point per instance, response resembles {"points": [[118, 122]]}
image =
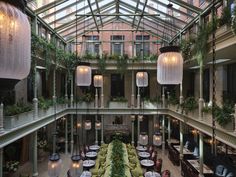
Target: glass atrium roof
{"points": [[153, 15]]}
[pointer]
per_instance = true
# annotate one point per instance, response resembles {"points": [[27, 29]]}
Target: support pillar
{"points": [[96, 99], [66, 136], [132, 90], [35, 99], [235, 118], [163, 98], [201, 154], [71, 92], [1, 119], [102, 97], [138, 130], [163, 134], [181, 98], [132, 127], [138, 98], [35, 154], [96, 130], [66, 90], [102, 130], [71, 134], [1, 162], [181, 140], [169, 130]]}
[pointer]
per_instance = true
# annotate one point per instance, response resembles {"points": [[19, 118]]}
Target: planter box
{"points": [[116, 104], [228, 127], [151, 105], [84, 105], [18, 120], [45, 112], [61, 107]]}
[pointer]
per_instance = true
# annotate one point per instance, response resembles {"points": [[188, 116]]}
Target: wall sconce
{"points": [[143, 139], [142, 79], [157, 139], [83, 74], [87, 125], [97, 80], [98, 125]]}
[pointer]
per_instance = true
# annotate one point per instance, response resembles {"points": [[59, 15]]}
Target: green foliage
{"points": [[189, 104], [206, 109], [233, 23], [102, 63], [44, 103], [225, 17], [223, 115], [118, 166], [122, 64], [61, 100], [18, 108], [173, 100], [186, 48]]}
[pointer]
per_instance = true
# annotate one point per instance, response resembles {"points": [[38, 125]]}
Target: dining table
{"points": [[152, 174]]}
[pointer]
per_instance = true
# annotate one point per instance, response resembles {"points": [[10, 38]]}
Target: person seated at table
{"points": [[165, 173], [150, 149], [153, 156], [158, 165], [82, 154]]}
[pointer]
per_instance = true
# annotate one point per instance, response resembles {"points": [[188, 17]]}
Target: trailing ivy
{"points": [[122, 64], [102, 63]]}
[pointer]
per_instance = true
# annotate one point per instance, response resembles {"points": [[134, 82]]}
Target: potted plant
{"points": [[12, 166], [17, 114], [189, 104], [45, 107]]}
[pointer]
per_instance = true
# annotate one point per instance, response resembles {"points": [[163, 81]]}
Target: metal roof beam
{"points": [[136, 9], [98, 11], [165, 14], [144, 6], [174, 9], [91, 10], [155, 19], [73, 21], [187, 6], [49, 6], [117, 8], [94, 27]]}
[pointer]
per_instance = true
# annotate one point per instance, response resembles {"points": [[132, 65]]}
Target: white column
{"points": [[71, 134], [163, 98], [201, 154], [1, 162], [66, 135], [1, 119], [235, 118], [96, 98], [138, 98], [132, 127], [181, 98], [96, 131], [102, 130], [169, 129], [163, 134], [102, 97], [66, 90], [181, 139], [35, 154], [132, 90], [35, 99], [71, 91], [138, 130]]}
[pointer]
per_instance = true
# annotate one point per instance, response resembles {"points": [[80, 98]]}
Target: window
{"points": [[201, 2], [117, 45], [117, 85], [191, 3], [92, 45], [142, 40]]}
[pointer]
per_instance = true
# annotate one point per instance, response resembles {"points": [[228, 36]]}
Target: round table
{"points": [[94, 147], [141, 148], [86, 174], [91, 154], [148, 164], [152, 174], [87, 164], [144, 154]]}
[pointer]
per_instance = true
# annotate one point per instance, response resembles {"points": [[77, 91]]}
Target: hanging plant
{"points": [[122, 64], [102, 63], [233, 22], [225, 17]]}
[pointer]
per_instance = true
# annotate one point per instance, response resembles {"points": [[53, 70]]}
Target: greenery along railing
{"points": [[52, 54]]}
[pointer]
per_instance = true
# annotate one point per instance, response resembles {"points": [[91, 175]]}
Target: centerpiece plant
{"points": [[118, 166]]}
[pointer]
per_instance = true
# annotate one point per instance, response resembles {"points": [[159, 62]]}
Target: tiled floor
{"points": [[42, 166]]}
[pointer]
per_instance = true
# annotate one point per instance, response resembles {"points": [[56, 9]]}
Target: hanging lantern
{"points": [[15, 42], [170, 66], [142, 79], [87, 125], [54, 165], [83, 74], [98, 80], [98, 125], [157, 139], [76, 167], [143, 139]]}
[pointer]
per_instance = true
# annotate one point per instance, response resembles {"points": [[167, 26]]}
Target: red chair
{"points": [[165, 173], [158, 165]]}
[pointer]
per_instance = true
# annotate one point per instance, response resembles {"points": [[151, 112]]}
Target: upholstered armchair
{"points": [[221, 171]]}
